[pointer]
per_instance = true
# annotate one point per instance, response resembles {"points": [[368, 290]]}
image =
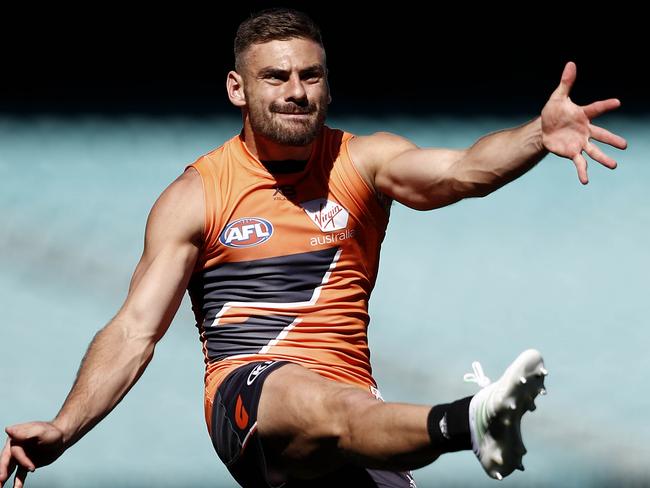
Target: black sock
{"points": [[452, 433]]}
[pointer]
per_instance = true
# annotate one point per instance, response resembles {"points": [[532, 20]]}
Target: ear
{"points": [[235, 89]]}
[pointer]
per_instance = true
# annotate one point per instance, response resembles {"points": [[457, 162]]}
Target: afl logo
{"points": [[246, 232]]}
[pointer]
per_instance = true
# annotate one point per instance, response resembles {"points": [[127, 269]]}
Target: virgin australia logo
{"points": [[326, 214]]}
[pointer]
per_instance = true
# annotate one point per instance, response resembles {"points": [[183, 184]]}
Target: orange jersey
{"points": [[288, 263]]}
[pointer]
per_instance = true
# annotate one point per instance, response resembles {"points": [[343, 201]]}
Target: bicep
{"points": [[418, 178], [421, 178], [170, 252]]}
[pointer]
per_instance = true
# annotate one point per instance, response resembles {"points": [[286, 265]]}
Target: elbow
{"points": [[140, 350], [430, 201], [475, 184], [124, 347], [422, 204], [450, 193], [480, 191], [422, 200], [132, 332], [467, 179]]}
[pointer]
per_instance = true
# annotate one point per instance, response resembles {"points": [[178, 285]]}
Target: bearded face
{"points": [[291, 123], [286, 90]]}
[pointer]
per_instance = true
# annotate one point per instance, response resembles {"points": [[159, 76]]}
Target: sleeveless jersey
{"points": [[288, 263]]}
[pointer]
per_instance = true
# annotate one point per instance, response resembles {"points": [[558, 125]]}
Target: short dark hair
{"points": [[274, 24]]}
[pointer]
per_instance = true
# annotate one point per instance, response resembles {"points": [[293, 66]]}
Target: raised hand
{"points": [[567, 129]]}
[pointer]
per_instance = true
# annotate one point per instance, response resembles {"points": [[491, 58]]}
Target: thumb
{"points": [[567, 80]]}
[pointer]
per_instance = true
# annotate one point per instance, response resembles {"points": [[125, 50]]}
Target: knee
{"points": [[330, 420], [328, 432], [347, 411], [303, 416]]}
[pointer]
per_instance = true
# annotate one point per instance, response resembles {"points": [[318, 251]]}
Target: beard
{"points": [[286, 131]]}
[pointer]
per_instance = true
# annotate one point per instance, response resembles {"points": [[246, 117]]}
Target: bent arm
{"points": [[120, 352]]}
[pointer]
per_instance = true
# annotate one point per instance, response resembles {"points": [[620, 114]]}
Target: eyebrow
{"points": [[313, 70]]}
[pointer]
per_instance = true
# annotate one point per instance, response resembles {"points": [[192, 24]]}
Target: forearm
{"points": [[498, 158], [113, 363], [430, 178]]}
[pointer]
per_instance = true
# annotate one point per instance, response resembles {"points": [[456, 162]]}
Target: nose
{"points": [[295, 90]]}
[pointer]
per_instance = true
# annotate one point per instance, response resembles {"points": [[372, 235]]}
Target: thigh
{"points": [[234, 422], [301, 417]]}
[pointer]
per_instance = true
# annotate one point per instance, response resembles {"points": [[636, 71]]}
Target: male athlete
{"points": [[276, 235]]}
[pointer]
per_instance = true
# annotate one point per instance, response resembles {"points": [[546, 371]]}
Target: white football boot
{"points": [[495, 412]]}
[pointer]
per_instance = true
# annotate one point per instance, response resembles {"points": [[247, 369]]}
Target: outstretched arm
{"points": [[431, 178], [120, 352]]}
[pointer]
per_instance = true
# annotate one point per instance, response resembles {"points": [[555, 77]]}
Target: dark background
{"points": [[414, 58]]}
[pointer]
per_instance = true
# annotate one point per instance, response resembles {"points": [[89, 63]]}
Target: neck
{"points": [[267, 150]]}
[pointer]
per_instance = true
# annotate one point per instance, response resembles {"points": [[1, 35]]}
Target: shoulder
{"points": [[184, 190], [180, 209], [382, 141], [370, 152]]}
